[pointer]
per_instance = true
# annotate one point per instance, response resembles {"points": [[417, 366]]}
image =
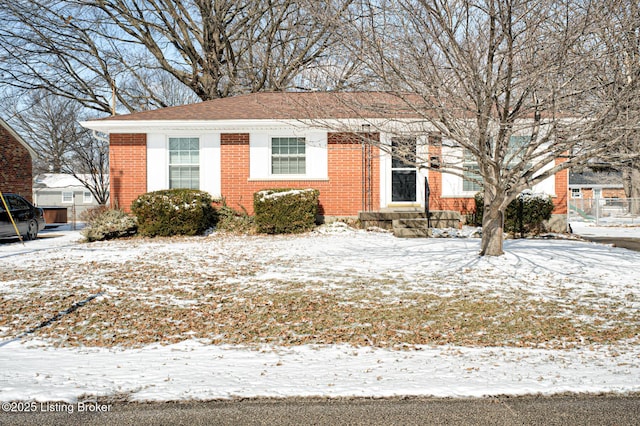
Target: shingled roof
{"points": [[287, 105]]}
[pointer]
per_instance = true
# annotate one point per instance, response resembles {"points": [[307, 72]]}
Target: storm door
{"points": [[403, 170]]}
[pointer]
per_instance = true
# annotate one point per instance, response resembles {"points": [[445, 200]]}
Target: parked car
{"points": [[28, 218]]}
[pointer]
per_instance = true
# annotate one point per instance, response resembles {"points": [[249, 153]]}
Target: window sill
{"points": [[288, 178], [462, 195]]}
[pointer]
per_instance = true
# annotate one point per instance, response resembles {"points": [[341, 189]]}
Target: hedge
{"points": [[174, 212], [526, 214], [284, 211]]}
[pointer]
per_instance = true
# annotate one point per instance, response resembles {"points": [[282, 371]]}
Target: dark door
{"points": [[403, 170]]}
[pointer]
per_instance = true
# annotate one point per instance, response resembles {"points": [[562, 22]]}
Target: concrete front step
{"points": [[389, 216], [439, 218], [410, 223], [411, 228], [412, 232]]}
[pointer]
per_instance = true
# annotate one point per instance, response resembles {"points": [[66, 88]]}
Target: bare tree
{"points": [[508, 85], [618, 39], [89, 163], [101, 52], [50, 125]]}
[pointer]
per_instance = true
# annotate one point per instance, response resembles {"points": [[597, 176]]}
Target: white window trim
{"points": [[67, 193], [168, 138], [317, 156], [578, 191], [85, 199], [287, 176]]}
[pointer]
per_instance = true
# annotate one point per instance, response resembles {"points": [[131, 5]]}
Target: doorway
{"points": [[403, 170]]}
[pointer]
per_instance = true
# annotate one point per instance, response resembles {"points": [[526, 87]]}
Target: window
{"points": [[184, 163], [516, 148], [16, 203], [87, 198], [288, 156], [576, 193], [515, 154], [471, 171], [67, 197]]}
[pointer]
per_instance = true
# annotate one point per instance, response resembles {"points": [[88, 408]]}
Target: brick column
{"points": [[234, 170], [561, 183], [127, 168]]}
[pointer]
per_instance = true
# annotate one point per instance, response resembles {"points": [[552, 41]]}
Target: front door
{"points": [[403, 170]]}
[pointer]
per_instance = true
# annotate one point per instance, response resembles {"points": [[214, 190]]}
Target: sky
{"points": [[37, 370]]}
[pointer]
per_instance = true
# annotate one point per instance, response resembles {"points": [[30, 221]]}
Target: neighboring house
{"points": [[15, 162], [596, 184], [598, 196], [233, 147], [62, 196]]}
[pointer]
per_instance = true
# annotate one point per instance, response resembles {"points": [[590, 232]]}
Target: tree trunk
{"points": [[634, 191], [492, 224]]}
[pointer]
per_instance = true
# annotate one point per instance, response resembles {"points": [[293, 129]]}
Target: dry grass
{"points": [[148, 301], [291, 316]]}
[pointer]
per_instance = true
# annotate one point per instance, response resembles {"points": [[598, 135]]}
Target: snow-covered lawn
{"points": [[336, 312]]}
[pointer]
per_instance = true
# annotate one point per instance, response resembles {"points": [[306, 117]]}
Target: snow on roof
{"points": [[56, 180]]}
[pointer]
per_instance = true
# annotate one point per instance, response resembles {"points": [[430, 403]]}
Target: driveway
{"points": [[628, 243], [619, 236]]}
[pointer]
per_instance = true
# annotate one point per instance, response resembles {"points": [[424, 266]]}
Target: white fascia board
{"points": [[155, 126], [332, 125]]}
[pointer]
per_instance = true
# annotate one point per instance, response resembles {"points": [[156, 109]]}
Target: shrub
{"points": [[475, 218], [230, 220], [91, 214], [174, 212], [108, 225], [526, 214], [283, 211]]}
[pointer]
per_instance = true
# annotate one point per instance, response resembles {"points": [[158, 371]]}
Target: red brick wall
{"points": [[127, 168], [16, 173], [606, 193], [436, 202], [560, 200], [340, 195]]}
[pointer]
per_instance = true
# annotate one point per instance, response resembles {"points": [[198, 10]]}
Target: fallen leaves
{"points": [[222, 297]]}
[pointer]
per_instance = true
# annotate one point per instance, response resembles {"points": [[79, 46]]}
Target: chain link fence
{"points": [[605, 211]]}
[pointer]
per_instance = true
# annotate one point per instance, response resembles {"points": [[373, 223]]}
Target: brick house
{"points": [[15, 162], [233, 147], [596, 184]]}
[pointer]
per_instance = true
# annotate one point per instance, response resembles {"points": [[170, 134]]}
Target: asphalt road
{"points": [[628, 243], [529, 410]]}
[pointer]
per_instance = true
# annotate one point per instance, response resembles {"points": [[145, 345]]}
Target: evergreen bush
{"points": [[525, 215], [285, 211], [109, 224], [174, 212]]}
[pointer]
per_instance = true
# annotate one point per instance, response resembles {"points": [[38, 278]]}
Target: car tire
{"points": [[32, 231]]}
